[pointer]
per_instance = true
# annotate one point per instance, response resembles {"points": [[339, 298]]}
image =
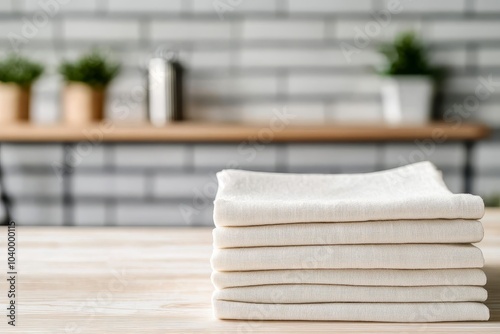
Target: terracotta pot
{"points": [[14, 103], [82, 104]]}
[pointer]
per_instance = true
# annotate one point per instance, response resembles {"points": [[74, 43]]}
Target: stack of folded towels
{"points": [[385, 246]]}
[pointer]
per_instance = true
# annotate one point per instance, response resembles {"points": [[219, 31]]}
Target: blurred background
{"points": [[244, 61]]}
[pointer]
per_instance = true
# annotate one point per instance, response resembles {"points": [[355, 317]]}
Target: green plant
{"points": [[19, 70], [94, 69], [407, 56], [492, 201]]}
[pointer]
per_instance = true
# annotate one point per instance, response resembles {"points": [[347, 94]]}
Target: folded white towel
{"points": [[314, 293], [380, 232], [412, 192], [368, 277], [388, 312], [402, 256]]}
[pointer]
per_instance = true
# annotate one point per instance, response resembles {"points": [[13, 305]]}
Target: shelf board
{"points": [[226, 132]]}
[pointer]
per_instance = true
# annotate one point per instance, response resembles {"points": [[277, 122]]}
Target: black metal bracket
{"points": [[468, 168], [4, 198]]}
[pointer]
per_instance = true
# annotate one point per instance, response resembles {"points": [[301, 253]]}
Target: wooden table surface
{"points": [[237, 132], [156, 280]]}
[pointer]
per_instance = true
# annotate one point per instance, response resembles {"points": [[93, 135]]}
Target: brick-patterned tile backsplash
{"points": [[26, 155], [331, 158], [175, 184], [327, 6], [450, 156], [156, 156], [45, 214], [145, 6], [93, 214], [284, 52], [103, 30], [39, 185], [486, 6]]}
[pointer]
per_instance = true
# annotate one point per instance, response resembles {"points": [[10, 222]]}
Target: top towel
{"points": [[415, 191]]}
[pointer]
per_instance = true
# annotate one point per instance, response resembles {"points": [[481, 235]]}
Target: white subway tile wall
{"points": [[229, 87], [150, 214], [156, 156], [91, 214], [489, 185], [238, 52], [184, 185], [58, 5], [450, 156], [341, 84], [86, 154], [456, 58], [303, 57], [33, 185], [246, 61], [478, 30], [44, 109], [282, 30], [258, 6], [431, 6], [17, 33], [46, 214], [189, 30], [328, 6], [200, 59], [23, 155], [146, 6], [454, 181], [119, 184], [363, 34], [488, 156], [353, 112], [329, 158], [6, 6], [95, 30], [488, 57], [109, 185], [487, 6], [245, 155]]}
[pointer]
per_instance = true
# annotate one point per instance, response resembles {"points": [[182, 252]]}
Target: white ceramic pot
{"points": [[407, 99]]}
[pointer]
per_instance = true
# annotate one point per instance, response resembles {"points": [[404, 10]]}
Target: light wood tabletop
{"points": [[157, 280]]}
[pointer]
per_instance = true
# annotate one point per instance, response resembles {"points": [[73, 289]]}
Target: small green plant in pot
{"points": [[408, 81], [86, 81], [17, 74]]}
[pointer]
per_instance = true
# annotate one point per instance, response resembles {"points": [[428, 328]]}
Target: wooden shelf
{"points": [[211, 132]]}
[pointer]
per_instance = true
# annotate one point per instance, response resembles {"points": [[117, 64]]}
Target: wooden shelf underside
{"points": [[216, 132]]}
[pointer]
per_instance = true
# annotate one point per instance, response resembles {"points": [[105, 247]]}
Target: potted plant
{"points": [[86, 81], [17, 74], [408, 84]]}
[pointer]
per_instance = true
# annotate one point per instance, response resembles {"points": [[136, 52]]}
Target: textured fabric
{"points": [[404, 256], [388, 312], [412, 192], [313, 293], [380, 232], [367, 277]]}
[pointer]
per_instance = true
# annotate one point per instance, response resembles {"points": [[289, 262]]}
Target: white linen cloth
{"points": [[389, 312], [380, 232], [319, 293], [411, 192], [397, 256], [365, 277]]}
